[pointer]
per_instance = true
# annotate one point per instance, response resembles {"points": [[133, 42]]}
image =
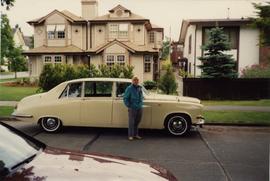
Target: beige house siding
{"points": [[137, 62], [77, 35], [39, 35], [98, 35], [139, 34]]}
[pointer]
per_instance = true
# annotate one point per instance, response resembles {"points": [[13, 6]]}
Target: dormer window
{"points": [[118, 31], [56, 31]]}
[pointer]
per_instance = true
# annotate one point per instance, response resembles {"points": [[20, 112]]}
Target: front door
{"points": [[96, 105]]}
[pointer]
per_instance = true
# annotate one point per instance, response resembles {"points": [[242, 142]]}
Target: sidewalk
{"points": [[238, 108], [206, 108]]}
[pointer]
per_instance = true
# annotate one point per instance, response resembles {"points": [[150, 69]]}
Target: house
{"points": [[19, 38], [176, 54], [119, 37], [244, 41], [19, 41]]}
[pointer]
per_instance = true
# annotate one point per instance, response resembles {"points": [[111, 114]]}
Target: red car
{"points": [[23, 158]]}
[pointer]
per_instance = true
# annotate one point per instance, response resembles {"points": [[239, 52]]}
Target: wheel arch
{"points": [[185, 115]]}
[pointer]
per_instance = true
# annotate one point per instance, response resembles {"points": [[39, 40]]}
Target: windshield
{"points": [[144, 90], [14, 149]]}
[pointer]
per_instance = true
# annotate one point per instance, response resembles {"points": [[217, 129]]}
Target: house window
{"points": [[110, 60], [152, 37], [47, 59], [231, 32], [118, 31], [113, 30], [147, 63], [57, 59], [121, 60], [189, 44], [123, 31], [56, 31]]}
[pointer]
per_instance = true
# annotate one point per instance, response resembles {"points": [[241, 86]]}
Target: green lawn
{"points": [[237, 117], [6, 110], [263, 102], [15, 93]]}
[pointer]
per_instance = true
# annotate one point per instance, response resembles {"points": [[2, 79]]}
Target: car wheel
{"points": [[50, 124], [178, 125]]}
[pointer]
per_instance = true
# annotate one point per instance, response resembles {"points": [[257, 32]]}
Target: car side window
{"points": [[75, 90], [72, 90], [120, 88], [98, 89]]}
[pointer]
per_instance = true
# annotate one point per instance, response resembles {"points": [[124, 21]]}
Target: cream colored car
{"points": [[98, 102]]}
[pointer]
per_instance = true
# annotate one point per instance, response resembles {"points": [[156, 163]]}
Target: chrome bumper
{"points": [[200, 121], [21, 116]]}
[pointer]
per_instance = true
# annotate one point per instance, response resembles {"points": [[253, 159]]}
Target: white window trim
{"points": [[150, 61], [54, 29]]}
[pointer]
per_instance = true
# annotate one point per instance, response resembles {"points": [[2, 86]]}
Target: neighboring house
{"points": [[244, 41], [19, 41], [119, 37], [176, 53], [18, 38]]}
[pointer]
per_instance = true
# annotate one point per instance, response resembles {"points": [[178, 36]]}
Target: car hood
{"points": [[162, 97], [56, 164]]}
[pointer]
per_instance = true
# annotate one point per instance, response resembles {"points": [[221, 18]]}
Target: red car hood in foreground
{"points": [[57, 165]]}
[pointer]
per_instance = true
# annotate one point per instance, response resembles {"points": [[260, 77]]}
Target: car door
{"points": [[96, 104], [67, 107], [120, 111]]}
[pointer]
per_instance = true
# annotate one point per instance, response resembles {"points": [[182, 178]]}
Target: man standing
{"points": [[133, 99]]}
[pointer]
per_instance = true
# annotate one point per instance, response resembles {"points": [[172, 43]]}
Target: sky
{"points": [[164, 13]]}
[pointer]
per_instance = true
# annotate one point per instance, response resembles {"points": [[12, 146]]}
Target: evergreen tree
{"points": [[215, 63], [167, 82], [263, 22]]}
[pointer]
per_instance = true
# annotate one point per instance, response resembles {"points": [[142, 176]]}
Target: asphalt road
{"points": [[214, 153]]}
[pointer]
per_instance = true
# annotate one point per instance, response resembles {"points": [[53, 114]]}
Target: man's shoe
{"points": [[130, 138], [138, 137]]}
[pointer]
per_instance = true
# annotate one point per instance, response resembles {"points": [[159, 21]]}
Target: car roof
{"points": [[101, 79]]}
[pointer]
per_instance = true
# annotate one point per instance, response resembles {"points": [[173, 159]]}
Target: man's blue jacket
{"points": [[133, 97]]}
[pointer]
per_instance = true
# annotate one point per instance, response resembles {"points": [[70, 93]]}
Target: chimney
{"points": [[89, 9]]}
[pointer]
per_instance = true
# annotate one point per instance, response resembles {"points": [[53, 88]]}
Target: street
{"points": [[211, 154]]}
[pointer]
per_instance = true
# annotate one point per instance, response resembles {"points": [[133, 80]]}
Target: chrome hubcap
{"points": [[177, 125], [51, 123]]}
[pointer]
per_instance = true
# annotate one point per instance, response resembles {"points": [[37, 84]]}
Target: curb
{"points": [[235, 124]]}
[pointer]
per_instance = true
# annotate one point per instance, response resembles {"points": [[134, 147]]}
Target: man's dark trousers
{"points": [[134, 118]]}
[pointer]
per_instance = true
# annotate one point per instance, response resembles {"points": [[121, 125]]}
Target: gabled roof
{"points": [[119, 7], [210, 22], [66, 14], [127, 45], [71, 49], [132, 16]]}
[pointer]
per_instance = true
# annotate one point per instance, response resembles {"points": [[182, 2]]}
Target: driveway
{"points": [[211, 154]]}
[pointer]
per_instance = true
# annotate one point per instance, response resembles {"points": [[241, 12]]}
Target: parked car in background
{"points": [[98, 102], [24, 158]]}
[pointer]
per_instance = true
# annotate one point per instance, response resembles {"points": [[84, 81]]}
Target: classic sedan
{"points": [[24, 158], [98, 102]]}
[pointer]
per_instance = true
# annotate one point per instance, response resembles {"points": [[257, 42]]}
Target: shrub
{"points": [[256, 71], [150, 85], [53, 75], [167, 82]]}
